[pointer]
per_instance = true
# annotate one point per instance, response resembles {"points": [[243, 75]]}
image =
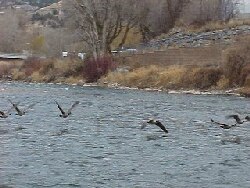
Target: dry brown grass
{"points": [[217, 25], [172, 77], [49, 70], [236, 62], [141, 77], [57, 70], [244, 91], [18, 75]]}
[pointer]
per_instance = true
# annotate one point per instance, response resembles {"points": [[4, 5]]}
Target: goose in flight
{"points": [[19, 111], [5, 114], [238, 120], [157, 123], [65, 114], [223, 125]]}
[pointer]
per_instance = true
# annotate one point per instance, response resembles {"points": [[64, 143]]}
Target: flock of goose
{"points": [[65, 114], [238, 121], [21, 112]]}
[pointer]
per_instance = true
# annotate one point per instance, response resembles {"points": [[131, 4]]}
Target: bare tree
{"points": [[202, 11], [227, 9], [100, 22], [174, 10], [12, 34], [161, 16]]}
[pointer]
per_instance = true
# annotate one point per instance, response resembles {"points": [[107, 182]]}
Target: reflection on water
{"points": [[102, 145]]}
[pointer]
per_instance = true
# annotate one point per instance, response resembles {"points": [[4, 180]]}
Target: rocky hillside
{"points": [[37, 3], [180, 38]]}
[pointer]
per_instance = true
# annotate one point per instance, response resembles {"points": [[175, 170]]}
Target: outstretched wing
{"points": [[60, 108], [223, 125], [73, 106], [28, 107], [8, 111], [144, 124], [236, 117], [15, 106], [159, 124]]}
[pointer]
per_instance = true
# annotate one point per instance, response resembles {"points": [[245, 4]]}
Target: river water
{"points": [[101, 143]]}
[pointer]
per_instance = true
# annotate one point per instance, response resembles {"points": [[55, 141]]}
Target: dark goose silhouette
{"points": [[157, 123], [238, 120], [5, 114], [223, 125], [18, 110], [247, 118], [65, 114]]}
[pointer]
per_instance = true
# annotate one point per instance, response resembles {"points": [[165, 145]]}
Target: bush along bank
{"points": [[70, 71], [233, 73]]}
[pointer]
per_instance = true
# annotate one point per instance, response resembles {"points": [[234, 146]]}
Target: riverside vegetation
{"points": [[234, 72]]}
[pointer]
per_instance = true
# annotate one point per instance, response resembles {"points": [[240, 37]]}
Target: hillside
{"points": [[38, 3]]}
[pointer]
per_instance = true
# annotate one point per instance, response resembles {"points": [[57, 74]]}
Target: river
{"points": [[102, 145]]}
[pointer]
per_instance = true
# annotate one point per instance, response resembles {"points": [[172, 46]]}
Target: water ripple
{"points": [[102, 145]]}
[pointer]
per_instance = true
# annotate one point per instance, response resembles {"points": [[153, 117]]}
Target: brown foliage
{"points": [[173, 77], [5, 70], [94, 69], [236, 63], [204, 78], [31, 65]]}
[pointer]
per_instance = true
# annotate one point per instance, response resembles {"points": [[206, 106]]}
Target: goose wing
{"points": [[218, 123], [159, 124], [60, 108], [15, 106], [28, 107], [223, 125], [8, 111], [144, 124], [73, 106], [236, 117]]}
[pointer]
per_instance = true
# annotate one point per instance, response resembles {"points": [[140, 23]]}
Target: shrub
{"points": [[205, 78], [31, 65], [46, 67], [172, 77], [5, 69], [94, 69], [236, 63], [18, 75]]}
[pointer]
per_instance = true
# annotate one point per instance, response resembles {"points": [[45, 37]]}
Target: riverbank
{"points": [[230, 71], [170, 79], [243, 92], [179, 79]]}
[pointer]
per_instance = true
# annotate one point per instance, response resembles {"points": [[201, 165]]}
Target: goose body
{"points": [[3, 114], [65, 114], [238, 119], [157, 123], [223, 125], [18, 110]]}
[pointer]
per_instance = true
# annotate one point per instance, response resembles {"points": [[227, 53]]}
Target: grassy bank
{"points": [[69, 71], [233, 72]]}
